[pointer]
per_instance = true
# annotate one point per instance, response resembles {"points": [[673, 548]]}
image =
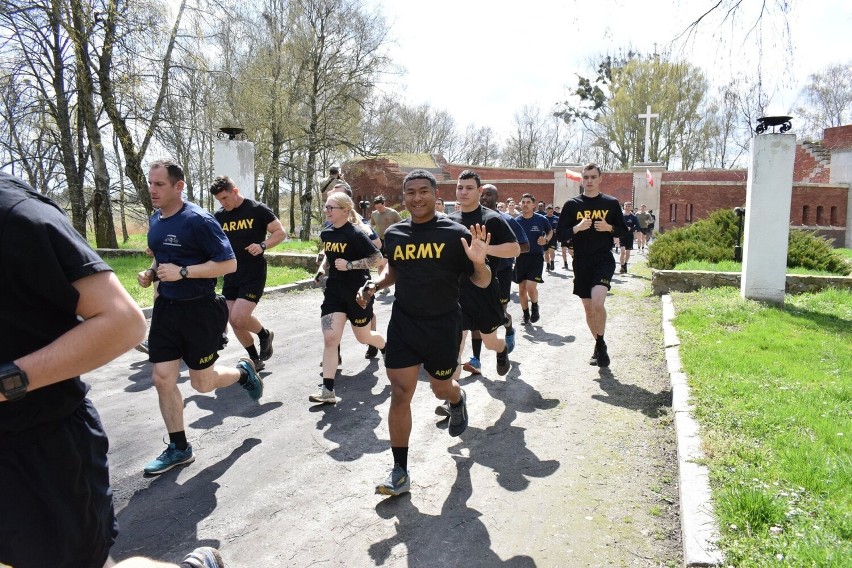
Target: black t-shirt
{"points": [[590, 241], [496, 226], [41, 255], [348, 243], [246, 225], [429, 259]]}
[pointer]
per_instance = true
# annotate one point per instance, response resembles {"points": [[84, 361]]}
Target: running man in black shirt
{"points": [[247, 224], [427, 255], [591, 220]]}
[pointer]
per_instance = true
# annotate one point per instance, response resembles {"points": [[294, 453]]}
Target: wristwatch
{"points": [[348, 265], [262, 245], [154, 276], [13, 382], [184, 273]]}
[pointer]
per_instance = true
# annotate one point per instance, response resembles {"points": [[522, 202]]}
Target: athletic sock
{"points": [[252, 351], [243, 376], [599, 339], [477, 347], [400, 457], [328, 383], [179, 440], [263, 334], [383, 349], [526, 314]]}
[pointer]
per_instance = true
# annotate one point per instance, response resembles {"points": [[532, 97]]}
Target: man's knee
{"points": [[202, 379]]}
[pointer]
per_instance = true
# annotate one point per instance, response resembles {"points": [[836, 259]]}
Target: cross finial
{"points": [[648, 116]]}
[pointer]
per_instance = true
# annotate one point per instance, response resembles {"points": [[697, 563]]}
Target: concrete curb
{"points": [[295, 286], [699, 527]]}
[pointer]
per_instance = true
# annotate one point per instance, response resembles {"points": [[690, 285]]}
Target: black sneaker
{"points": [[372, 351], [458, 416], [526, 317], [503, 362], [259, 365], [534, 316], [593, 360], [603, 356], [266, 347]]}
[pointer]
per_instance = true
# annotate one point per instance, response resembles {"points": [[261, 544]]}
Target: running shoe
{"points": [[593, 360], [204, 557], [324, 396], [443, 409], [534, 317], [503, 362], [372, 351], [603, 356], [397, 482], [458, 416], [473, 366], [171, 457], [266, 347], [526, 317], [142, 347], [254, 384], [259, 365], [510, 340]]}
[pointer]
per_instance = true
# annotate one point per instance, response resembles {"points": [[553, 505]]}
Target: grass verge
{"points": [[139, 241], [773, 392], [731, 266], [126, 269]]}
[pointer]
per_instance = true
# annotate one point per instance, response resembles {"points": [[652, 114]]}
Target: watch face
{"points": [[12, 382]]}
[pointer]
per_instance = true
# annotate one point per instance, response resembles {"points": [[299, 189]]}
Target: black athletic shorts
{"points": [[382, 249], [590, 271], [529, 266], [626, 241], [340, 298], [57, 505], [192, 330], [247, 283], [551, 244], [504, 285], [432, 342], [481, 308]]}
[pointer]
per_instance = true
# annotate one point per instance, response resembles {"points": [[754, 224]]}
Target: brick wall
{"points": [[838, 137]]}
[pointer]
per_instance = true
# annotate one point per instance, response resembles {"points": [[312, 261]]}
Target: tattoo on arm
{"points": [[326, 321], [367, 263]]}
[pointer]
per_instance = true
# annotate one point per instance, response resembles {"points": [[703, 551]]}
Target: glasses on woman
{"points": [[331, 207]]}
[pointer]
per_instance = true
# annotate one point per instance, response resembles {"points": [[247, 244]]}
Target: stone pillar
{"points": [[566, 185], [235, 159], [767, 220], [643, 192]]}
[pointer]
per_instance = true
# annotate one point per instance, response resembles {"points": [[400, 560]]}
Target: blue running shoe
{"points": [[397, 483], [171, 457], [474, 367], [254, 385], [510, 339]]}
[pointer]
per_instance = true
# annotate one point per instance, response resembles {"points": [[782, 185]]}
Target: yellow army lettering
{"points": [[597, 214], [336, 247], [206, 359], [228, 226], [360, 321], [415, 252], [444, 373]]}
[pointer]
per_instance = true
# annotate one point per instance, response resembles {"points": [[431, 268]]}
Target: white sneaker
{"points": [[324, 396]]}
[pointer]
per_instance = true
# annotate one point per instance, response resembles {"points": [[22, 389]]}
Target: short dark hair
{"points": [[379, 199], [470, 174], [333, 170], [592, 166], [220, 184], [437, 199], [420, 174], [173, 169], [346, 189], [528, 196]]}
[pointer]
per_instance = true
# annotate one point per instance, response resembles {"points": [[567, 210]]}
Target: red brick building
{"points": [[822, 174]]}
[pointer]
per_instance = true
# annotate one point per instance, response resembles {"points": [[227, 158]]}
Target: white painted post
{"points": [[235, 159], [767, 220]]}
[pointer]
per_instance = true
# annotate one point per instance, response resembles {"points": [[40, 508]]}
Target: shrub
{"points": [[713, 240]]}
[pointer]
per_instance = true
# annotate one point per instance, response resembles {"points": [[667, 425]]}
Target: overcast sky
{"points": [[483, 60]]}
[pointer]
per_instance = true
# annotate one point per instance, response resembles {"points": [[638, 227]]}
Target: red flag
{"points": [[649, 177], [570, 174]]}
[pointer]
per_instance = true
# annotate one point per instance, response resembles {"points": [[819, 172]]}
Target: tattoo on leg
{"points": [[326, 321]]}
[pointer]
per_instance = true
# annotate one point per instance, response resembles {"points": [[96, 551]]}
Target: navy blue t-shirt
{"points": [[190, 236], [535, 227]]}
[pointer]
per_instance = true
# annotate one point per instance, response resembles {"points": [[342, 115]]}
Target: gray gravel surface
{"points": [[563, 464]]}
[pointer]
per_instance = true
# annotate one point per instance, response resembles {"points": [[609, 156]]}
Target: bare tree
{"points": [[826, 100]]}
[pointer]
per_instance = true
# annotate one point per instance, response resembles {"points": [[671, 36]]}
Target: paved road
{"points": [[563, 464]]}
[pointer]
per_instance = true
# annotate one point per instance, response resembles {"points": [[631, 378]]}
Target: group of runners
{"points": [[451, 274]]}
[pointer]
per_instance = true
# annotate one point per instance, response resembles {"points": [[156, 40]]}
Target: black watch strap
{"points": [[13, 381]]}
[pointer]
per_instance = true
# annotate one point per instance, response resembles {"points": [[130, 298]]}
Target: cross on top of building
{"points": [[648, 116]]}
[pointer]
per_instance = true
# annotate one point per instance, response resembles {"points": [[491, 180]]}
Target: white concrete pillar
{"points": [[767, 220], [646, 193], [235, 159], [566, 182]]}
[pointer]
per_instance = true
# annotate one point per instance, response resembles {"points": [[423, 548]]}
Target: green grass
{"points": [[731, 266], [772, 389], [126, 269], [140, 242]]}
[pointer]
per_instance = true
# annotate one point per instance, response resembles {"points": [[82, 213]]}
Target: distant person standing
{"points": [[247, 224], [626, 240], [530, 265], [591, 220], [644, 219], [189, 319], [550, 249], [440, 210], [334, 177], [382, 218], [427, 256]]}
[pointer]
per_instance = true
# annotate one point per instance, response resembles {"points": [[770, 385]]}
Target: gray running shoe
{"points": [[443, 409], [204, 557], [397, 483], [142, 347], [266, 347], [324, 396], [458, 416], [593, 360]]}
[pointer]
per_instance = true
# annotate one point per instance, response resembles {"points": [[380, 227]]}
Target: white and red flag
{"points": [[572, 175], [649, 177]]}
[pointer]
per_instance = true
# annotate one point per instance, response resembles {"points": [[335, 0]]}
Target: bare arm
{"points": [[385, 280], [210, 269], [112, 324], [505, 250], [276, 236], [360, 264]]}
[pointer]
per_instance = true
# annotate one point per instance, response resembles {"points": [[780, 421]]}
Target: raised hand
{"points": [[478, 248]]}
